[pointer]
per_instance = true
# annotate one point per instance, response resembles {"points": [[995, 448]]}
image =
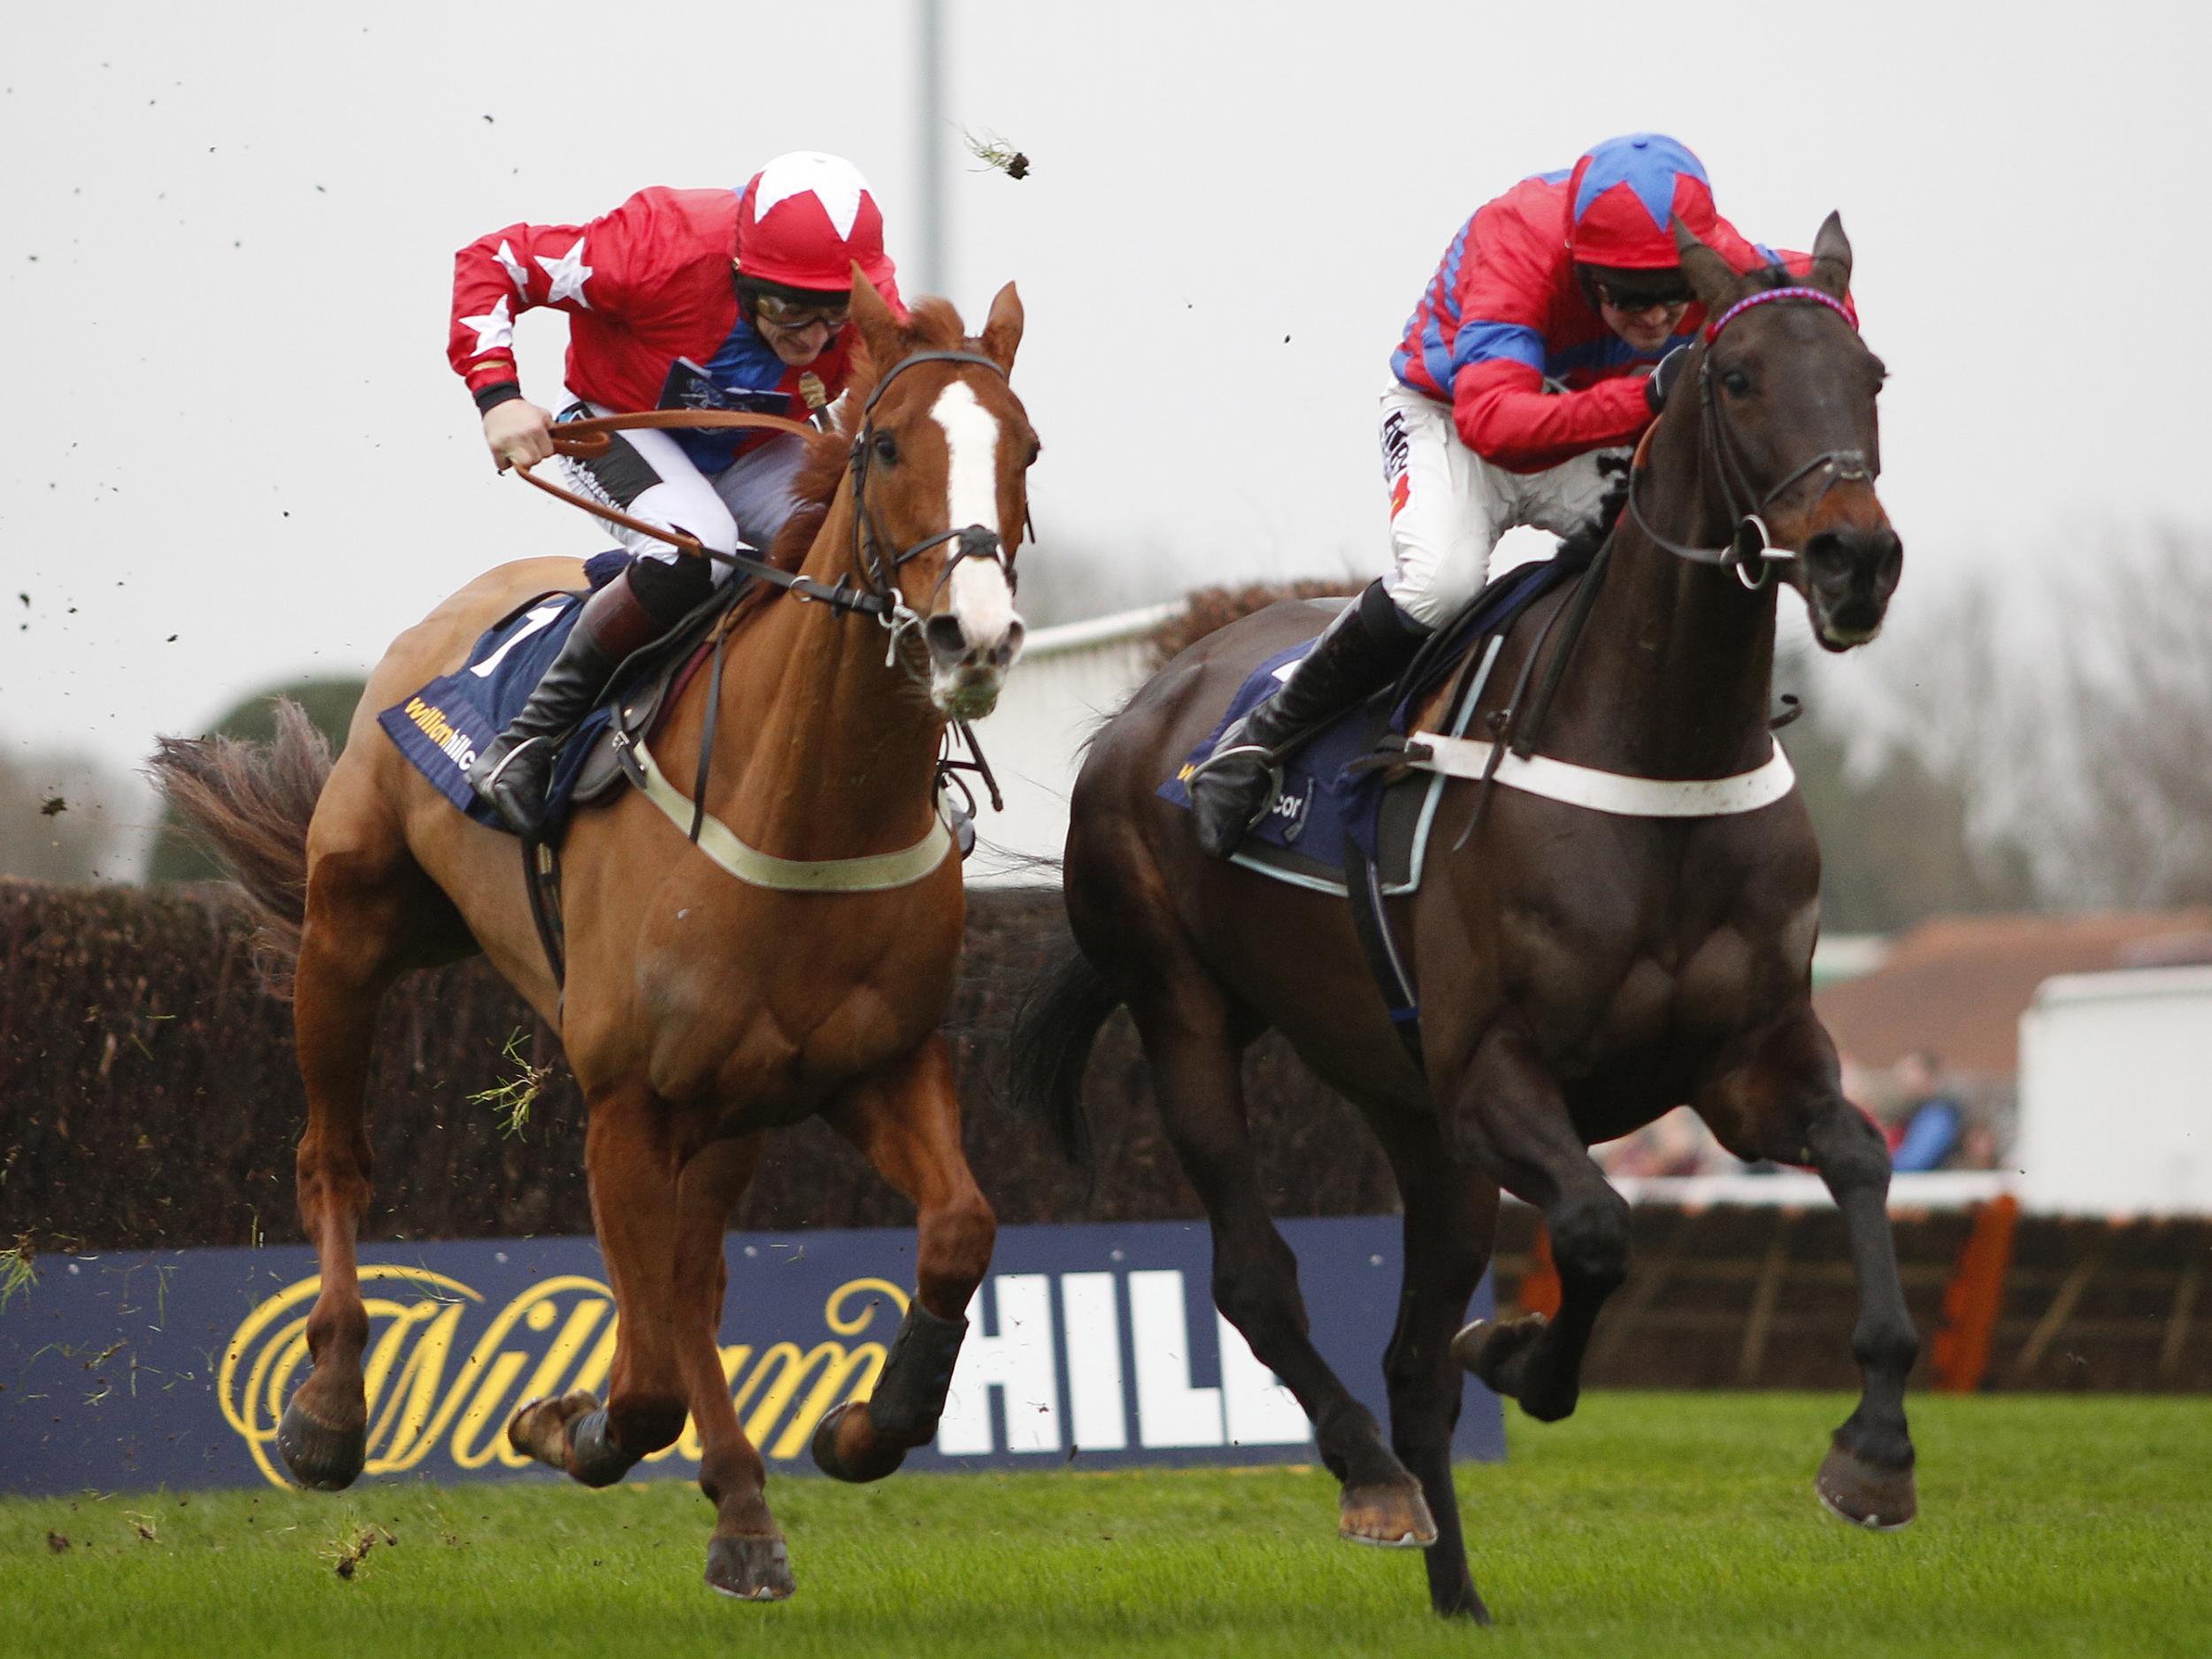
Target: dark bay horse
{"points": [[700, 1012], [1581, 972]]}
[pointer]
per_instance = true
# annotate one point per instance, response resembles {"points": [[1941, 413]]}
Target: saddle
{"points": [[443, 727], [1334, 798]]}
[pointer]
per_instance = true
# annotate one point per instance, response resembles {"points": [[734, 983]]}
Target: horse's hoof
{"points": [[1498, 1354], [326, 1458], [1865, 1495], [750, 1568], [1463, 1602], [540, 1427], [846, 1446], [1388, 1517]]}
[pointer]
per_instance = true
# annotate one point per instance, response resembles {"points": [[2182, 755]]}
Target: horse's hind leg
{"points": [[906, 1120], [1195, 1076], [1786, 1103], [746, 1558], [1451, 1216], [362, 907], [1506, 1115], [631, 1157]]}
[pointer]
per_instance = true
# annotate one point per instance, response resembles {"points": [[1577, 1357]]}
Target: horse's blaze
{"points": [[980, 596]]}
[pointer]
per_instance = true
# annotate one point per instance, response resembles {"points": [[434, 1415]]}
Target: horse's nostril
{"points": [[1010, 647], [947, 638]]}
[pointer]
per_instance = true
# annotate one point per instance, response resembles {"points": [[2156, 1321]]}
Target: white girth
{"points": [[871, 874], [1608, 791]]}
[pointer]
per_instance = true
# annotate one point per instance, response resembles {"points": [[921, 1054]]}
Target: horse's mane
{"points": [[932, 325]]}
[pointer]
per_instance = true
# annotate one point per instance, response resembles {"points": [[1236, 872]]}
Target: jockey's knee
{"points": [[1428, 598]]}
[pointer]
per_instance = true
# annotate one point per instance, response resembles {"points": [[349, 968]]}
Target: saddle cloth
{"points": [[445, 726], [1303, 838]]}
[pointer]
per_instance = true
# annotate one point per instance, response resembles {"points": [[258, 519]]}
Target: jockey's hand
{"points": [[519, 433], [1665, 373]]}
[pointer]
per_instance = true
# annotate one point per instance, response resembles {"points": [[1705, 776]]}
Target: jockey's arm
{"points": [[1504, 415], [502, 275]]}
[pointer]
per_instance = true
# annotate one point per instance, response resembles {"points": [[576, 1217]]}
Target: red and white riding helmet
{"points": [[805, 219]]}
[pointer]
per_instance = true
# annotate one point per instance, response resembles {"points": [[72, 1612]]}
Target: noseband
{"points": [[878, 573], [1751, 552]]}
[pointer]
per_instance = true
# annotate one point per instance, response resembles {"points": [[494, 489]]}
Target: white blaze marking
{"points": [[981, 597]]}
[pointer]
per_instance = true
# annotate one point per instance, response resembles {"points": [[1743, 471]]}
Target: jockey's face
{"points": [[799, 345], [1646, 328]]}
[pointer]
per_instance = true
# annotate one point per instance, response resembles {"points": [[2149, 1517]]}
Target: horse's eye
{"points": [[1735, 382], [1035, 449], [886, 448]]}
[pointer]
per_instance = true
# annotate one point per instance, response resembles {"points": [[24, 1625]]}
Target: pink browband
{"points": [[1767, 296]]}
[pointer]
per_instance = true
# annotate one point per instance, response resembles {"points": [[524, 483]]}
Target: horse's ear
{"points": [[1715, 284], [1831, 258], [1003, 329], [879, 330]]}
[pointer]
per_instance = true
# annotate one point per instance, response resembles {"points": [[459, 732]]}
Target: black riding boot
{"points": [[513, 773], [1363, 649]]}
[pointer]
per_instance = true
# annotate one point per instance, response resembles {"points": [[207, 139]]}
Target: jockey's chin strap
{"points": [[1751, 552], [974, 540]]}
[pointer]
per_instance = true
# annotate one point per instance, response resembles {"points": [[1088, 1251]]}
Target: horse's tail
{"points": [[247, 805], [1054, 1028]]}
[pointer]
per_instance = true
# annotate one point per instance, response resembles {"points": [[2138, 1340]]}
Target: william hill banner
{"points": [[1098, 1344]]}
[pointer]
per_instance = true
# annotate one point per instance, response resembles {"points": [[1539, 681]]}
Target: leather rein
{"points": [[1751, 552], [876, 594]]}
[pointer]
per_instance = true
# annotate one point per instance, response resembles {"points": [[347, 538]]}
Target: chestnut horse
{"points": [[1580, 973], [700, 1012]]}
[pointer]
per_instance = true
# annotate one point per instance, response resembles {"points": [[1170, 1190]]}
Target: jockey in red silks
{"points": [[1544, 344], [677, 299]]}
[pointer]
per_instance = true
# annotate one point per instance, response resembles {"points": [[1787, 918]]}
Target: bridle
{"points": [[1751, 552], [974, 540], [875, 592]]}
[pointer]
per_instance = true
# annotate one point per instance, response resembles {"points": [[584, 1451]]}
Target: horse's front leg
{"points": [[631, 1157], [746, 1558], [1506, 1114], [1784, 1101], [906, 1120]]}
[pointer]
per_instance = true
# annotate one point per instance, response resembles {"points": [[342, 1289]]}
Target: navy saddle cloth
{"points": [[444, 727], [1303, 838]]}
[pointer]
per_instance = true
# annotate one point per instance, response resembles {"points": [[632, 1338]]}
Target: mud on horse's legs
{"points": [[630, 1155], [1506, 1114], [906, 1121]]}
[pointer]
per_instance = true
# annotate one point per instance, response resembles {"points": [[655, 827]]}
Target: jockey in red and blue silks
{"points": [[1546, 340], [677, 299]]}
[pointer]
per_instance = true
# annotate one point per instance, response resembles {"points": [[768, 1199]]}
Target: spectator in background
{"points": [[1930, 1122]]}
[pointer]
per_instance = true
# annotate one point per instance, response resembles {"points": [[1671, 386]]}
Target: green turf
{"points": [[1650, 1525]]}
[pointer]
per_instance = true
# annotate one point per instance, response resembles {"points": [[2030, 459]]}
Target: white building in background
{"points": [[1069, 678], [2116, 1093]]}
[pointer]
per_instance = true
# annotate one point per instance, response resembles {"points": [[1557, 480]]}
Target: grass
{"points": [[1650, 1525]]}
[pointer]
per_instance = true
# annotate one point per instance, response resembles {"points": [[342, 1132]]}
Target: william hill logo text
{"points": [[452, 742], [446, 1368]]}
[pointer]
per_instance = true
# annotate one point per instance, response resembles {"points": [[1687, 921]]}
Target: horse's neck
{"points": [[1676, 662], [840, 747]]}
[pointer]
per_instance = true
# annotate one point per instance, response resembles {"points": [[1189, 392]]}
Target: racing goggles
{"points": [[834, 310], [1622, 297]]}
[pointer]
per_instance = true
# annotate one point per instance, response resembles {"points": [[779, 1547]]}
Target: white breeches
{"points": [[648, 476], [1449, 506]]}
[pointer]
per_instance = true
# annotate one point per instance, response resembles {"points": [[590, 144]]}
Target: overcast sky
{"points": [[226, 230]]}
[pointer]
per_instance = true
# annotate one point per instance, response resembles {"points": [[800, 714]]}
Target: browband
{"points": [[1768, 295]]}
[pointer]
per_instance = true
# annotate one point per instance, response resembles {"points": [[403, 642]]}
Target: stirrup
{"points": [[506, 760]]}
